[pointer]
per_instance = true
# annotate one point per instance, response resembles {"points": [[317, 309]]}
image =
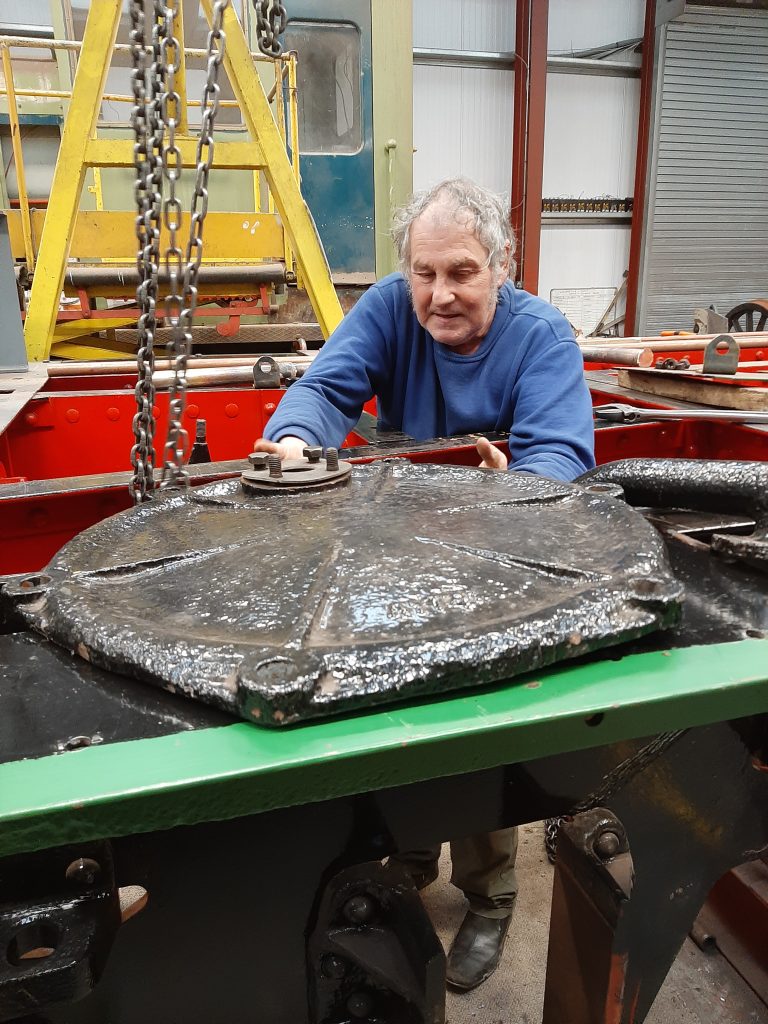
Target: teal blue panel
{"points": [[333, 40]]}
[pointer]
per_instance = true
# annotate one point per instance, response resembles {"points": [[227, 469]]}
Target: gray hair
{"points": [[486, 213]]}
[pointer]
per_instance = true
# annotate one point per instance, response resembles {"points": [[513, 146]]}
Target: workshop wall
{"points": [[463, 121]]}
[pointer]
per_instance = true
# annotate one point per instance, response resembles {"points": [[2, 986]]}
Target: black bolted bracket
{"points": [[373, 954], [266, 373], [59, 912]]}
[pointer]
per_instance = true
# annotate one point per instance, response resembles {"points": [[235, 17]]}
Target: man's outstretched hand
{"points": [[491, 456], [286, 447]]}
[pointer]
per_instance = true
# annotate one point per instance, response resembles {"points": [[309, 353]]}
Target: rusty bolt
{"points": [[258, 460], [333, 966], [607, 845], [312, 453], [275, 466], [332, 459], [359, 909]]}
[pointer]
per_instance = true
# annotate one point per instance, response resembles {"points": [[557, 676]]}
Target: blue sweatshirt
{"points": [[527, 377]]}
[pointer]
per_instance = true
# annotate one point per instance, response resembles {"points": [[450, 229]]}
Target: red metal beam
{"points": [[531, 30], [641, 168]]}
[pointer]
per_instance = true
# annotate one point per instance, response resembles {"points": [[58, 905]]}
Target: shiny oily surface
{"points": [[405, 581]]}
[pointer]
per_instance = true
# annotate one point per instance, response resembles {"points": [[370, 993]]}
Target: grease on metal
{"points": [[409, 581]]}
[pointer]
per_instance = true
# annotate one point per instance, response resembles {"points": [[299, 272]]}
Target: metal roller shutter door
{"points": [[706, 232]]}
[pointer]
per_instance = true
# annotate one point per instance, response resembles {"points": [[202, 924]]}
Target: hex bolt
{"points": [[331, 459], [359, 1005], [359, 909], [607, 845], [275, 466], [83, 872], [258, 460], [333, 966], [312, 453], [200, 430]]}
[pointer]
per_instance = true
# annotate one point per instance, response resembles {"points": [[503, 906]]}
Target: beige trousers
{"points": [[483, 867]]}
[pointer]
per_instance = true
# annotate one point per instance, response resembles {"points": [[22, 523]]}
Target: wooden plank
{"points": [[702, 392]]}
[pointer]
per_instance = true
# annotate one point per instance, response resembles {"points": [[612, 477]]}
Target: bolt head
{"points": [[359, 1005], [333, 966], [607, 845], [83, 873], [258, 460], [312, 452], [359, 909]]}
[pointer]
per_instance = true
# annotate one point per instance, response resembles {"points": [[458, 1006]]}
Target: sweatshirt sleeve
{"points": [[324, 405], [553, 431]]}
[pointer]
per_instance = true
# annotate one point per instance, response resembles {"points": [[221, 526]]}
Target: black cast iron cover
{"points": [[409, 580]]}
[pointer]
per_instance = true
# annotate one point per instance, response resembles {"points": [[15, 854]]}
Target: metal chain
{"points": [[174, 473], [611, 784], [271, 19], [172, 167], [147, 154]]}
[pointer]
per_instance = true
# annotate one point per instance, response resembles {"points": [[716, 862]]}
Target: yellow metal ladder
{"points": [[81, 149]]}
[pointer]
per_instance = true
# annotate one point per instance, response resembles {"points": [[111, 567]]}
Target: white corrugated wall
{"points": [[463, 121]]}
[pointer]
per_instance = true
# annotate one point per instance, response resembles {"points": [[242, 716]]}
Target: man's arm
{"points": [[325, 404], [553, 430]]}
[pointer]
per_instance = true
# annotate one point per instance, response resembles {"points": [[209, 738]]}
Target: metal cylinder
{"points": [[617, 356], [85, 276]]}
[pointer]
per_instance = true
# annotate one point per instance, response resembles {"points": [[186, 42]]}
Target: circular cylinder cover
{"points": [[410, 580]]}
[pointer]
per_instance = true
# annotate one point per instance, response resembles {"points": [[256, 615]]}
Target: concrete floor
{"points": [[701, 988]]}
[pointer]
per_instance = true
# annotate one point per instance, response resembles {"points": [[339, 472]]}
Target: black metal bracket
{"points": [[373, 955], [266, 373], [59, 912]]}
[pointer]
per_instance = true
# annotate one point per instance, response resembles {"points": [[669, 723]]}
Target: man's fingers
{"points": [[261, 444], [491, 457], [286, 447]]}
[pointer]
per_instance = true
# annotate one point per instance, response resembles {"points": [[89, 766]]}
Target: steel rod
{"points": [[617, 355], [683, 343], [120, 366], [255, 274]]}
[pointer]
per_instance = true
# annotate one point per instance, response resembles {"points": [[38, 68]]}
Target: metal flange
{"points": [[269, 474]]}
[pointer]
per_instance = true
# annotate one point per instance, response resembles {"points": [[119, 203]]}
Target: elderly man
{"points": [[449, 346]]}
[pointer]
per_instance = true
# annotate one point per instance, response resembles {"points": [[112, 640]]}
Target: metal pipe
{"points": [[112, 97], [32, 43], [114, 367], [684, 343], [617, 356], [221, 376], [18, 158], [86, 276]]}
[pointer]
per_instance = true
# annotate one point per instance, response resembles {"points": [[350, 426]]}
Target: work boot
{"points": [[476, 950]]}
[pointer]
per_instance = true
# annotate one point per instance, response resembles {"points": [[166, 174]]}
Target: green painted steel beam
{"points": [[216, 774]]}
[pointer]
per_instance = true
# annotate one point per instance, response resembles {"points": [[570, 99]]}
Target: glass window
{"points": [[329, 102]]}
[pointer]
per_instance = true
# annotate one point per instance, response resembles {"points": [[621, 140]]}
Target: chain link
{"points": [[271, 19], [615, 780], [181, 308], [147, 84]]}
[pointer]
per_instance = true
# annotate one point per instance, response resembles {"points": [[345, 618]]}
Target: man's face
{"points": [[453, 288]]}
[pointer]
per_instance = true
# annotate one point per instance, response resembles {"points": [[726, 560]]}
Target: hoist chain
{"points": [[181, 307], [147, 82], [615, 780], [156, 109], [271, 19]]}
